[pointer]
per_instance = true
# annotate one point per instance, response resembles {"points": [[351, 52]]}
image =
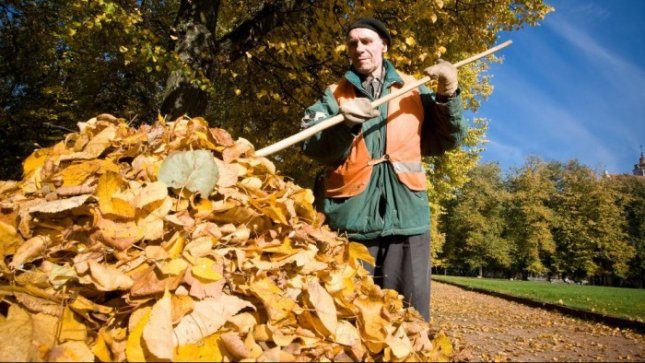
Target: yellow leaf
{"points": [[276, 212], [109, 184], [358, 251], [174, 267], [181, 305], [176, 245], [35, 161], [151, 193], [324, 305], [284, 249], [9, 239], [71, 327], [133, 349], [203, 269], [277, 306], [410, 41], [304, 199], [370, 314], [83, 306], [441, 348], [207, 350], [101, 350], [100, 142], [76, 174]]}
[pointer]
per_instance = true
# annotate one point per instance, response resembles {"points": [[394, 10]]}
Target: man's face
{"points": [[366, 50]]}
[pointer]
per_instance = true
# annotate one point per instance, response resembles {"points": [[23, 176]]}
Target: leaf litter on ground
{"points": [[172, 241]]}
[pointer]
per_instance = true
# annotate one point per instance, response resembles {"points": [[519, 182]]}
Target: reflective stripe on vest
{"points": [[403, 145]]}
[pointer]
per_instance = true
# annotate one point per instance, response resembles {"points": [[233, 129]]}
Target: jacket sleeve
{"points": [[330, 146], [444, 127]]}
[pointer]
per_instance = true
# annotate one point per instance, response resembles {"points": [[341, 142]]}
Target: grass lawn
{"points": [[615, 301]]}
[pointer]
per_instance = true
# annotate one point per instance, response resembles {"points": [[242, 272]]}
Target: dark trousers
{"points": [[403, 264]]}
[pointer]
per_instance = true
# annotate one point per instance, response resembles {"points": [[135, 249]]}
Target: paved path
{"points": [[494, 329]]}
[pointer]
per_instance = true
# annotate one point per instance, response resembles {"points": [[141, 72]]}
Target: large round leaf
{"points": [[194, 170]]}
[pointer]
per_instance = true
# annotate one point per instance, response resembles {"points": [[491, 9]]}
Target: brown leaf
{"points": [[240, 148], [119, 235], [235, 346], [150, 283], [27, 251], [227, 174], [109, 278], [221, 136], [39, 305], [181, 305]]}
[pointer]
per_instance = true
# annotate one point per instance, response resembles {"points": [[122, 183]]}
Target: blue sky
{"points": [[571, 88]]}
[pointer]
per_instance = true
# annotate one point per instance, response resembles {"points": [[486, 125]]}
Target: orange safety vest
{"points": [[402, 149]]}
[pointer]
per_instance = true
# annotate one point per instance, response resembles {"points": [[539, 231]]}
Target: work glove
{"points": [[446, 75], [357, 111]]}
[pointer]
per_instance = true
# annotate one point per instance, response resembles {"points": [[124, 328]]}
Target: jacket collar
{"points": [[391, 76]]}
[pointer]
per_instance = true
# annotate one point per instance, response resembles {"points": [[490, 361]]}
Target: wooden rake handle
{"points": [[308, 132]]}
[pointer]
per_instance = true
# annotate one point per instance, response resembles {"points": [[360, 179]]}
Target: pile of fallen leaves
{"points": [[173, 242]]}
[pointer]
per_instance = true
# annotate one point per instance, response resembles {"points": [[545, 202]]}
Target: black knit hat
{"points": [[372, 24]]}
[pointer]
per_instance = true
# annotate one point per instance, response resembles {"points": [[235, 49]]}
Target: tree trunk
{"points": [[195, 46]]}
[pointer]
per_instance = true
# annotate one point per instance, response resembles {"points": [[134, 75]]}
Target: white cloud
{"points": [[504, 153], [624, 76]]}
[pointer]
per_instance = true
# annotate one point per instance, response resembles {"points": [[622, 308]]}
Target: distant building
{"points": [[639, 169]]}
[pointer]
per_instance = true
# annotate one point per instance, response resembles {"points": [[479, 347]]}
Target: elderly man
{"points": [[375, 186]]}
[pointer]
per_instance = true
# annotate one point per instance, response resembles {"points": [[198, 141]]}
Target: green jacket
{"points": [[386, 207]]}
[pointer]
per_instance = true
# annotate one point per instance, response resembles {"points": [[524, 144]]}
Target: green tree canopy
{"points": [[529, 217], [474, 222]]}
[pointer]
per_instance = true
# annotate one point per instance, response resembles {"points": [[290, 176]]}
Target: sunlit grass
{"points": [[621, 302]]}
